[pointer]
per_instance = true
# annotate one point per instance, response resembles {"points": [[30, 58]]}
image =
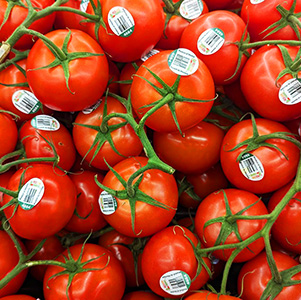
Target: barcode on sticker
{"points": [[251, 167], [175, 282], [290, 92], [31, 193], [44, 122], [26, 102], [191, 9], [210, 41], [107, 203], [90, 109], [84, 5], [149, 54]]}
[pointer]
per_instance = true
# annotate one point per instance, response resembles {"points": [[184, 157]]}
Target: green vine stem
{"points": [[169, 6]]}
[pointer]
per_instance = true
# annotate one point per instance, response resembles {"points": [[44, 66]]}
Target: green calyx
{"points": [[186, 187]]}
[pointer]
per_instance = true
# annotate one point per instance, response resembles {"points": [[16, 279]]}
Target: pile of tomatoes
{"points": [[150, 149]]}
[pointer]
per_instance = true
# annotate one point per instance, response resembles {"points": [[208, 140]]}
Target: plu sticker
{"points": [[251, 167], [191, 9], [210, 41], [183, 62], [90, 109], [31, 193], [121, 21], [175, 282], [84, 5], [44, 122], [26, 102], [107, 203], [149, 54], [256, 1], [290, 92]]}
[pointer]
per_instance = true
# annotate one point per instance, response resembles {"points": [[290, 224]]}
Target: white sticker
{"points": [[191, 9], [121, 21], [251, 167], [44, 122], [31, 193], [175, 282], [256, 1], [84, 5], [290, 92], [107, 203], [26, 102], [183, 62], [90, 109], [149, 54], [210, 41]]}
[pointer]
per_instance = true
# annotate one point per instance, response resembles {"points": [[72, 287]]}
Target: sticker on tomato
{"points": [[84, 5], [26, 102], [44, 122], [90, 109], [107, 203], [183, 62], [290, 92], [175, 282], [191, 9], [121, 21], [149, 54], [251, 167], [31, 193], [210, 41], [256, 1]]}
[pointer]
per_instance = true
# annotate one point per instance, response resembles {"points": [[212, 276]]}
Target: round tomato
{"points": [[207, 295], [18, 297], [218, 4], [138, 295]]}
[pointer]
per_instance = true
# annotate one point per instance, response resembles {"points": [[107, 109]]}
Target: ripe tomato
{"points": [[18, 297], [207, 295], [4, 179], [49, 84], [218, 4], [138, 295]]}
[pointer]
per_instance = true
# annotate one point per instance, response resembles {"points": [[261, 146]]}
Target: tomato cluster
{"points": [[150, 149]]}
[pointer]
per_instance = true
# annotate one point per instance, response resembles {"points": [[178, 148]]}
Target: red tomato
{"points": [[49, 85], [195, 152], [149, 219], [18, 297], [207, 295], [199, 85], [114, 75], [264, 169], [212, 38], [138, 295], [106, 283], [4, 179], [169, 264], [218, 4], [49, 198], [255, 275]]}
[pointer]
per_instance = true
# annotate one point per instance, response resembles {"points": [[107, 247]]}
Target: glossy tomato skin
{"points": [[107, 283], [199, 85], [213, 206], [233, 28], [55, 207], [18, 297], [255, 275], [207, 295], [217, 4], [170, 250], [155, 183], [149, 24], [258, 84], [277, 169], [125, 139], [49, 85], [138, 295]]}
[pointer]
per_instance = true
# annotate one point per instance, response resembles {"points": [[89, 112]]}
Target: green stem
{"points": [[270, 42], [295, 20], [76, 11], [169, 6]]}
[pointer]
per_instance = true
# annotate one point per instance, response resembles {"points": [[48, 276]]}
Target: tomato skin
{"points": [[199, 85], [213, 206], [49, 85], [218, 4], [169, 250], [107, 283], [18, 297], [255, 274], [56, 206], [4, 179], [138, 295], [277, 169], [155, 183], [194, 153], [207, 295], [258, 79]]}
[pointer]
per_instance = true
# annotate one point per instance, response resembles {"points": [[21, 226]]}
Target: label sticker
{"points": [[251, 167], [149, 54], [44, 122], [26, 102], [175, 282], [210, 41], [107, 203], [84, 5], [191, 9], [183, 62], [290, 92], [256, 1], [121, 21], [90, 109], [31, 193]]}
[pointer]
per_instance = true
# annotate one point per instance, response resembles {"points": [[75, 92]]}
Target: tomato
{"points": [[18, 14], [114, 75], [255, 275], [195, 152], [212, 38], [138, 295], [107, 283], [4, 179], [88, 140], [169, 264], [214, 206], [261, 88], [207, 295], [49, 84], [87, 216], [218, 4], [18, 297], [264, 169], [198, 85], [133, 28], [49, 198], [149, 219]]}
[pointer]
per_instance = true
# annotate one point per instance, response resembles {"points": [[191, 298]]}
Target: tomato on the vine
{"points": [[207, 295]]}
